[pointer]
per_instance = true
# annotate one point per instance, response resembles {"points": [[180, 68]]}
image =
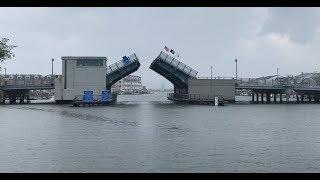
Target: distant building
{"points": [[130, 84]]}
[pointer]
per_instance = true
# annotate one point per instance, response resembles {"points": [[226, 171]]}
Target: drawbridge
{"points": [[174, 71], [121, 69]]}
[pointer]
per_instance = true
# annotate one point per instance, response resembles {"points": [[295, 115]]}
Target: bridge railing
{"points": [[120, 64], [177, 64], [25, 80]]}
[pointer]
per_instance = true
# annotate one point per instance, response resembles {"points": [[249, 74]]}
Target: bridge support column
{"points": [[297, 97], [257, 97], [287, 97], [280, 97], [275, 98], [310, 98], [268, 97], [28, 97], [261, 97], [252, 95], [12, 98], [302, 98]]}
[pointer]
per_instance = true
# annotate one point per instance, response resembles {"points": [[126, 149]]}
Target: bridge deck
{"points": [[173, 70], [121, 69]]}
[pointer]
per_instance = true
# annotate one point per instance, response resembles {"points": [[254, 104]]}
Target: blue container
{"points": [[125, 60], [106, 96], [88, 96]]}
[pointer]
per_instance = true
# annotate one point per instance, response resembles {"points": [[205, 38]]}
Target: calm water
{"points": [[147, 133]]}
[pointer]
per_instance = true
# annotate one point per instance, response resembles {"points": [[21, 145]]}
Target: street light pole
{"points": [[52, 66], [236, 70], [52, 70], [5, 71], [211, 82], [277, 72]]}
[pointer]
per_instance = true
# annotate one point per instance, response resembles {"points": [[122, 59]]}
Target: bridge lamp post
{"points": [[211, 81]]}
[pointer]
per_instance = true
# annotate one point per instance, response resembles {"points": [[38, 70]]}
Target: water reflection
{"points": [[148, 133]]}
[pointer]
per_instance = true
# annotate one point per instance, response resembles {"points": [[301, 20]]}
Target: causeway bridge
{"points": [[302, 93]]}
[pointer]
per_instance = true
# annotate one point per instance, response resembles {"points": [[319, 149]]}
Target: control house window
{"points": [[83, 62]]}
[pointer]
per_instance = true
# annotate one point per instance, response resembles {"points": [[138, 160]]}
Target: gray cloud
{"points": [[300, 24]]}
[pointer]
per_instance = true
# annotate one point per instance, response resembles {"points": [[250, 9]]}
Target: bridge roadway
{"points": [[311, 92]]}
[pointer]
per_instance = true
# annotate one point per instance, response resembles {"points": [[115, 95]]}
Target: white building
{"points": [[130, 84], [80, 74]]}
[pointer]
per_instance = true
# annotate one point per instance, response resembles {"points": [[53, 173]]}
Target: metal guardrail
{"points": [[177, 64], [193, 97], [28, 87], [296, 87], [217, 77], [120, 64]]}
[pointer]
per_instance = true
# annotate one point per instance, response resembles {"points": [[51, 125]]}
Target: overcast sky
{"points": [[262, 39]]}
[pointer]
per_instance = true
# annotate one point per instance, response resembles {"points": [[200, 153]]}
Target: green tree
{"points": [[6, 50]]}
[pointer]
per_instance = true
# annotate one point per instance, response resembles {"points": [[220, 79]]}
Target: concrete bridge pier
{"points": [[268, 98], [275, 98], [297, 97], [28, 98], [261, 97], [12, 98], [302, 98], [280, 97], [252, 95], [257, 97], [21, 98]]}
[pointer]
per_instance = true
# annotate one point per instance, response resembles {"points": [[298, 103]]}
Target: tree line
{"points": [[6, 50]]}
